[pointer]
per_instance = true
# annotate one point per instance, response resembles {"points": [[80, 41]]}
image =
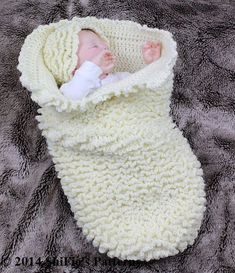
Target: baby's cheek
{"points": [[90, 54]]}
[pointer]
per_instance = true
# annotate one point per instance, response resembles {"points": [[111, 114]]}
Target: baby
{"points": [[95, 63]]}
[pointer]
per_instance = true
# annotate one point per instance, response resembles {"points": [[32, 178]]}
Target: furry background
{"points": [[36, 220]]}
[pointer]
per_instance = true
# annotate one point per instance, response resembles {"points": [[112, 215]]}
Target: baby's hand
{"points": [[105, 60], [151, 51]]}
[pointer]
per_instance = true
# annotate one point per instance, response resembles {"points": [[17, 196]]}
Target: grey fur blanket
{"points": [[38, 232]]}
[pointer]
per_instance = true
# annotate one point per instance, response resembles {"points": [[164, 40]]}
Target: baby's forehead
{"points": [[90, 35]]}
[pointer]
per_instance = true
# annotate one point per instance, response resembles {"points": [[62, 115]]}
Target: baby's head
{"points": [[66, 49], [90, 45]]}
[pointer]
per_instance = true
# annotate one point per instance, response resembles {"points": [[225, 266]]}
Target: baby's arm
{"points": [[85, 78]]}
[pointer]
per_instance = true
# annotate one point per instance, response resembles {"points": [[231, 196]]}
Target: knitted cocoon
{"points": [[134, 184]]}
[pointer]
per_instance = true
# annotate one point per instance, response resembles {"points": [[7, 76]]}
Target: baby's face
{"points": [[90, 45]]}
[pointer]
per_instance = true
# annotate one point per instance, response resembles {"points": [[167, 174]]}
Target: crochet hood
{"points": [[48, 58]]}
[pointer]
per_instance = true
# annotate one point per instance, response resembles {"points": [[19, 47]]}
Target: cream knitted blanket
{"points": [[131, 178]]}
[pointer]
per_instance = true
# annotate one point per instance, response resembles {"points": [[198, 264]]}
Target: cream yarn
{"points": [[60, 51], [134, 184]]}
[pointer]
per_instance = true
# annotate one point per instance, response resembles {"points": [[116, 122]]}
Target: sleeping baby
{"points": [[95, 63]]}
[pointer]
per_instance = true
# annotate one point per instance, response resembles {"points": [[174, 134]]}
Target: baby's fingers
{"points": [[110, 59], [147, 44], [151, 44]]}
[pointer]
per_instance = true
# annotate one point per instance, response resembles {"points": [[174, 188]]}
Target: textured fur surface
{"points": [[36, 220]]}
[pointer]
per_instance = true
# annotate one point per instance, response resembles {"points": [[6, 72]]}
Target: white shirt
{"points": [[86, 80]]}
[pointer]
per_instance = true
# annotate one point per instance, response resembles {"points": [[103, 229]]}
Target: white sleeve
{"points": [[84, 80], [122, 75]]}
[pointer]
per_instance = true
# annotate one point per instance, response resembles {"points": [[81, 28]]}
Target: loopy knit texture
{"points": [[134, 184]]}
